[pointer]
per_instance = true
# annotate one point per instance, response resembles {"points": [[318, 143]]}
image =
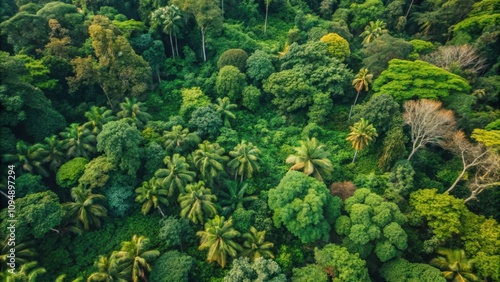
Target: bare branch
{"points": [[464, 57]]}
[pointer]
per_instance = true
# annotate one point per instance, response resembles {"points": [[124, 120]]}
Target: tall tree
{"points": [[245, 160], [312, 158], [454, 265], [170, 20], [197, 203], [134, 111], [29, 158], [218, 237], [175, 176], [151, 194], [78, 141], [179, 139], [255, 245], [136, 256], [361, 80], [97, 117], [361, 134], [209, 161], [487, 176], [85, 210], [429, 123], [224, 107], [109, 269], [373, 30]]}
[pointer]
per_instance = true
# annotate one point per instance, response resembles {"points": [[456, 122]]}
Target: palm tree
{"points": [[176, 175], [78, 141], [97, 117], [197, 203], [361, 80], [209, 161], [134, 111], [52, 152], [361, 134], [245, 160], [218, 238], [29, 158], [373, 30], [235, 197], [224, 107], [84, 210], [28, 272], [179, 138], [136, 257], [108, 270], [170, 18], [311, 158], [454, 265], [151, 194], [255, 245], [24, 252]]}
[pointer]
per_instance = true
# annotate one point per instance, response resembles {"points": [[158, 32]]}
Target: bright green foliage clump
{"points": [[372, 222], [36, 215], [120, 142], [230, 82], [97, 172], [346, 266], [171, 266], [192, 99], [401, 270], [261, 270], [311, 272], [233, 57], [305, 206], [406, 80], [442, 212], [338, 47], [69, 173], [29, 184], [250, 97]]}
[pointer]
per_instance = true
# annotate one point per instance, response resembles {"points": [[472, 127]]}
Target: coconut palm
{"points": [[179, 139], [197, 203], [175, 177], [78, 141], [373, 30], [361, 134], [109, 270], [29, 158], [134, 111], [245, 160], [235, 197], [169, 18], [311, 158], [84, 210], [24, 252], [136, 257], [361, 80], [209, 161], [454, 265], [97, 117], [28, 272], [218, 237], [151, 194], [224, 107], [53, 153], [255, 245]]}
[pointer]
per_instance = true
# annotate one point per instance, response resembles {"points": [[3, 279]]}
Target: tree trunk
{"points": [[203, 43], [265, 20], [172, 45], [409, 8], [161, 212], [176, 46], [107, 97], [3, 193], [352, 107], [457, 180], [355, 154], [158, 75], [471, 197]]}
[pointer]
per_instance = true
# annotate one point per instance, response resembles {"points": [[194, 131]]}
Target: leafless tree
{"points": [[487, 176], [471, 154], [464, 57], [429, 123], [343, 190]]}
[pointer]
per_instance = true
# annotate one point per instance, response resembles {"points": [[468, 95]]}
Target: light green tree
{"points": [[175, 176], [454, 265], [373, 30], [151, 194], [209, 161], [224, 107], [361, 80], [197, 203], [136, 257], [255, 245], [245, 160], [179, 139]]}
